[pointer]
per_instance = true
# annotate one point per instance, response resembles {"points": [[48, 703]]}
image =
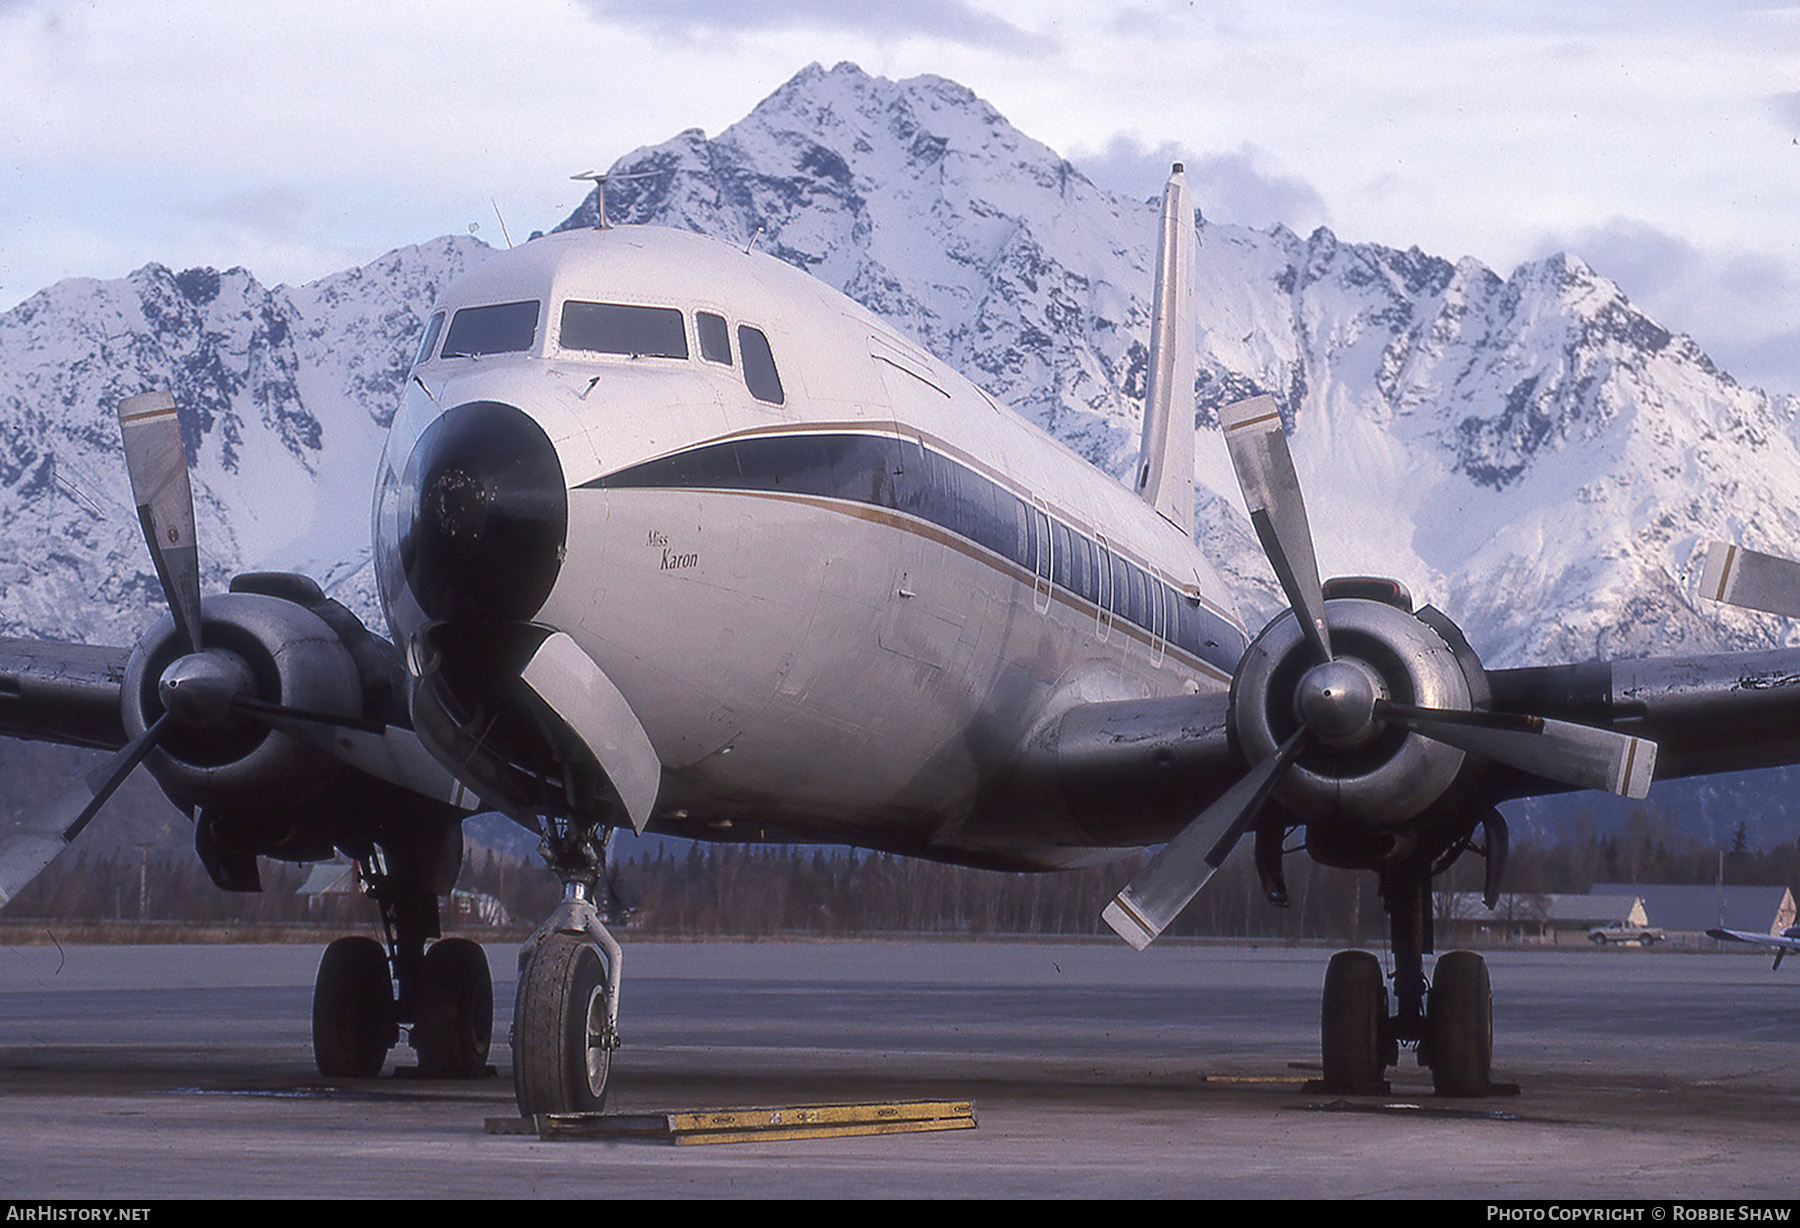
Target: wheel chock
{"points": [[689, 1127]]}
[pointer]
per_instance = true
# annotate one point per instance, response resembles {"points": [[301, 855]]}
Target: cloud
{"points": [[271, 209], [1736, 305], [939, 20], [1787, 111], [1646, 262], [1235, 186], [1129, 167]]}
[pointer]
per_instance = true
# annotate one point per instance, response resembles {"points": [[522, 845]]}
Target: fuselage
{"points": [[838, 584]]}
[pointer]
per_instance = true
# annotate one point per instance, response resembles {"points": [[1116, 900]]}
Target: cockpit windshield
{"points": [[502, 328], [616, 328], [432, 328]]}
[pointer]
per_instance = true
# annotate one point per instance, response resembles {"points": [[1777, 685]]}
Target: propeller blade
{"points": [[386, 752], [1265, 471], [1175, 875], [1578, 755], [165, 502], [1750, 578], [25, 854]]}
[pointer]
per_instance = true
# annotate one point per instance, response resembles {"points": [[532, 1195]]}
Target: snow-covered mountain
{"points": [[1531, 453], [286, 394]]}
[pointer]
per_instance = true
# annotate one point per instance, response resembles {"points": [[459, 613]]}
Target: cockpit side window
{"points": [[616, 328], [759, 366], [433, 327], [502, 328], [715, 337]]}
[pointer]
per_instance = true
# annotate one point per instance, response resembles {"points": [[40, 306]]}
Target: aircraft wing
{"points": [[65, 693], [1729, 712], [1778, 942]]}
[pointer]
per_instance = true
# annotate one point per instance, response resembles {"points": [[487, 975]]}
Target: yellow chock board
{"points": [[688, 1127]]}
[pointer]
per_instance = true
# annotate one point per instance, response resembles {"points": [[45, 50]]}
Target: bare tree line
{"points": [[769, 890]]}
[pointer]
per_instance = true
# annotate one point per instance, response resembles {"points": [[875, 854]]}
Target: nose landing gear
{"points": [[566, 1015]]}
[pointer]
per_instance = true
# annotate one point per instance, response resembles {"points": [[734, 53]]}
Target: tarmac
{"points": [[167, 1071]]}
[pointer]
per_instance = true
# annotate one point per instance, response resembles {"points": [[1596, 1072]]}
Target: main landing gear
{"points": [[445, 992], [1448, 1018], [1455, 1032]]}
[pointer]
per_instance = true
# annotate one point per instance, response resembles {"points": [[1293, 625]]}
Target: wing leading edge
{"points": [[1729, 712], [63, 693]]}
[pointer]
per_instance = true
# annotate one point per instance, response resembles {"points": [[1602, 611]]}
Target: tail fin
{"points": [[1165, 477]]}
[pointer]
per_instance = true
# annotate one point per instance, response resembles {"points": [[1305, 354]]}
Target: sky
{"points": [[1658, 140]]}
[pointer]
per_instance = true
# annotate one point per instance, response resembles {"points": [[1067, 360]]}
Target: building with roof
{"points": [[1696, 909], [1682, 912], [1531, 919]]}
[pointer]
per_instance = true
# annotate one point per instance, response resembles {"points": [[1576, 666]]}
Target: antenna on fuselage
{"points": [[600, 181]]}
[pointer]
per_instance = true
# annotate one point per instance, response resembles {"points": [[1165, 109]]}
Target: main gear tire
{"points": [[1459, 1016], [1351, 1023], [353, 1024], [455, 1025]]}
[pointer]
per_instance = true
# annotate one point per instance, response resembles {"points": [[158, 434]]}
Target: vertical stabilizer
{"points": [[1165, 472]]}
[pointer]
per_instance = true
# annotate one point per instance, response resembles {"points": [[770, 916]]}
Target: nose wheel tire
{"points": [[1351, 1024], [353, 1022], [455, 1026], [561, 1053], [1460, 1014]]}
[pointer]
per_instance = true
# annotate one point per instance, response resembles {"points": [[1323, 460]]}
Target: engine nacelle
{"points": [[1378, 781], [292, 656]]}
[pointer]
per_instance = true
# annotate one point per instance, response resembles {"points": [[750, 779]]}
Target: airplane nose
{"points": [[485, 517]]}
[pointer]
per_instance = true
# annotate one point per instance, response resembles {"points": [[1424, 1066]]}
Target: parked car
{"points": [[1618, 933]]}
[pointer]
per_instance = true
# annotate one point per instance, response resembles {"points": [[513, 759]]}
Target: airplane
{"points": [[1753, 580], [1787, 940], [670, 535]]}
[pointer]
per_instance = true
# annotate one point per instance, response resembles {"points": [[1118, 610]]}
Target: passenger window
{"points": [[715, 337], [503, 328], [759, 366], [615, 328], [1062, 554], [433, 327]]}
